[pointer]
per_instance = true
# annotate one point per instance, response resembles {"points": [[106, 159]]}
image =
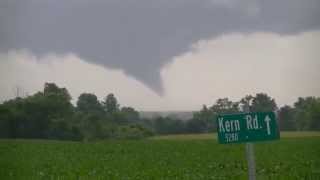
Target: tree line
{"points": [[304, 115], [49, 114]]}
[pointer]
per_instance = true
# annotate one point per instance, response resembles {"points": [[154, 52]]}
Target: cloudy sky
{"points": [[162, 54]]}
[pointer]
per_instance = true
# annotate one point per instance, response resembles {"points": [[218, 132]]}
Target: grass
{"points": [[289, 158]]}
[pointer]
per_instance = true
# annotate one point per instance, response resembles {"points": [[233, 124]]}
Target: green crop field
{"points": [[293, 157]]}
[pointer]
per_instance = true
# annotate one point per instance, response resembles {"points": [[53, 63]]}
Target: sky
{"points": [[161, 54]]}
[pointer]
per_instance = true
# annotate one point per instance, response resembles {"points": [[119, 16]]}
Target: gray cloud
{"points": [[140, 36]]}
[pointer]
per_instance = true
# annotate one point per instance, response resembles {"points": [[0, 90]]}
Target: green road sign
{"points": [[247, 127]]}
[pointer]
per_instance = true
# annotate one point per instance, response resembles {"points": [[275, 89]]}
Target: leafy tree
{"points": [[57, 105], [315, 115], [6, 123], [196, 126], [263, 103], [166, 125], [286, 118], [307, 113], [246, 103], [110, 104], [50, 115], [205, 118], [129, 115], [51, 89], [225, 106], [37, 116], [91, 126], [88, 103]]}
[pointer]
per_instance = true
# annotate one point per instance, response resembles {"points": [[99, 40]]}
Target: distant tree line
{"points": [[303, 116], [49, 114]]}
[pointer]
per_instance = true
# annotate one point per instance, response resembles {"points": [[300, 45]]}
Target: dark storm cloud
{"points": [[140, 36]]}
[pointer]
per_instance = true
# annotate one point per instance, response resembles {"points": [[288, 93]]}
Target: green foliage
{"points": [[130, 115], [5, 122], [294, 158], [88, 103], [246, 102], [52, 90], [132, 132], [205, 120], [286, 118], [166, 125], [40, 115], [225, 106], [307, 113], [259, 103], [110, 104], [50, 115], [196, 125], [263, 103]]}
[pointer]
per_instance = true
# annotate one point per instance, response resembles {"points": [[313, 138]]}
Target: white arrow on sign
{"points": [[267, 120]]}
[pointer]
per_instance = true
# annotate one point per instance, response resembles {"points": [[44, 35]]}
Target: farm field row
{"points": [[288, 158]]}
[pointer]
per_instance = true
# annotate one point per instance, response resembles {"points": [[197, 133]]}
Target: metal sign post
{"points": [[251, 161], [250, 154]]}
